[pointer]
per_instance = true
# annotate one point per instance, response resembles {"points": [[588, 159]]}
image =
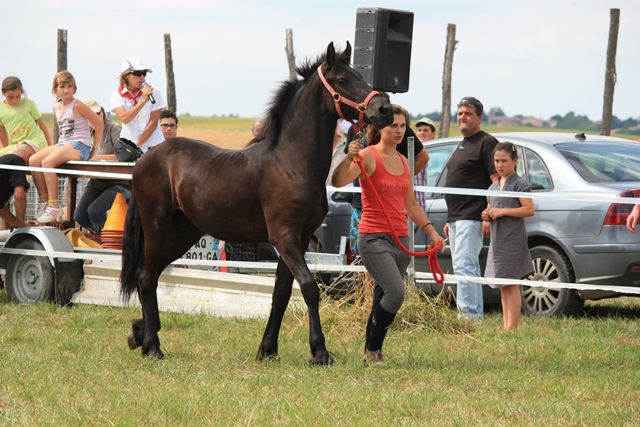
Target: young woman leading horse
{"points": [[273, 192]]}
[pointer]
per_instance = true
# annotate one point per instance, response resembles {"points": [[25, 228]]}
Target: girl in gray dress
{"points": [[509, 256]]}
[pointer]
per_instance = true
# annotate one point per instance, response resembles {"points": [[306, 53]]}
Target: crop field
{"points": [[234, 132]]}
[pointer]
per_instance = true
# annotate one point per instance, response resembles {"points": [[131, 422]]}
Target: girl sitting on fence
{"points": [[75, 143]]}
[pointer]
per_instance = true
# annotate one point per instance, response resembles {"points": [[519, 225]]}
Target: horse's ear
{"points": [[330, 57], [346, 55]]}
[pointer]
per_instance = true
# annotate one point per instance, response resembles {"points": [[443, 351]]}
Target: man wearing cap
{"points": [[110, 130], [14, 182], [91, 211], [138, 105], [469, 166], [426, 131]]}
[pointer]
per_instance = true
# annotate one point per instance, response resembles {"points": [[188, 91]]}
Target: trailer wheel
{"points": [[29, 278]]}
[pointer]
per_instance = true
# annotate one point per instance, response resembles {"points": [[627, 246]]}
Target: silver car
{"points": [[570, 240]]}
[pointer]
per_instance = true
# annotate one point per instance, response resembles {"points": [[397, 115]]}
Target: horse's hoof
{"points": [[154, 354], [131, 340], [322, 359], [266, 356]]}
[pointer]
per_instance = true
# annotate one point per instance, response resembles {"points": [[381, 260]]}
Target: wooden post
{"points": [[62, 65], [171, 82], [445, 113], [291, 57], [62, 50], [610, 73]]}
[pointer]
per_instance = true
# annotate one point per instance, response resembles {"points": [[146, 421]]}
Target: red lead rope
{"points": [[438, 274]]}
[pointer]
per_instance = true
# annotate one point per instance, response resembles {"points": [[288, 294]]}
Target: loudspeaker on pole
{"points": [[382, 48]]}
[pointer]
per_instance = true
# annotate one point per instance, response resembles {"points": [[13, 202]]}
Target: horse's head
{"points": [[349, 95]]}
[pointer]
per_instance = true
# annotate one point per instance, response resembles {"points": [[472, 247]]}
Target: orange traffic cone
{"points": [[223, 257], [113, 229], [117, 214]]}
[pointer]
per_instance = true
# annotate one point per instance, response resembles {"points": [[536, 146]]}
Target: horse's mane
{"points": [[284, 96]]}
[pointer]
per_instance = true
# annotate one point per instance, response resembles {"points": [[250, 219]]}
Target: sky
{"points": [[535, 58]]}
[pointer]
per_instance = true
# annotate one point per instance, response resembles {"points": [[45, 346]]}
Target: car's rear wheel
{"points": [[550, 265]]}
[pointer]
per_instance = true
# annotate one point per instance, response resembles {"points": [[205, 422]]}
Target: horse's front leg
{"points": [[294, 257], [279, 301]]}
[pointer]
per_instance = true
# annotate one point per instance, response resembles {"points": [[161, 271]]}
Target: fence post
{"points": [[445, 114], [291, 57], [62, 65], [171, 82], [610, 73]]}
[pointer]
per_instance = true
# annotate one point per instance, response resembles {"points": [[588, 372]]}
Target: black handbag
{"points": [[126, 151]]}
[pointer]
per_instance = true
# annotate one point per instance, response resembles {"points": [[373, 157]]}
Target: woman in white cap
{"points": [[138, 105]]}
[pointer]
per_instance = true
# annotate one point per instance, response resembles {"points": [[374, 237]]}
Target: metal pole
{"points": [[412, 161]]}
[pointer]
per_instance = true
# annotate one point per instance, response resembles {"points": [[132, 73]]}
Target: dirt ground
{"points": [[234, 140]]}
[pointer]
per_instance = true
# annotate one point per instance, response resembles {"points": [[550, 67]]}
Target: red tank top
{"points": [[392, 190]]}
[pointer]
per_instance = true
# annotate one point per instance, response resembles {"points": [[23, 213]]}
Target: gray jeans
{"points": [[387, 264]]}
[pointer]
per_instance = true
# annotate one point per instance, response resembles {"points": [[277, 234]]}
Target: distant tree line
{"points": [[569, 121]]}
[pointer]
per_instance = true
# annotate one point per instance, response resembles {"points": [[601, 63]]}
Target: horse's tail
{"points": [[132, 250]]}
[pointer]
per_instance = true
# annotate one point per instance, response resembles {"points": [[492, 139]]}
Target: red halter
{"points": [[337, 99]]}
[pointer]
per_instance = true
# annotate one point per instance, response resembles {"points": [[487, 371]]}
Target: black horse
{"points": [[273, 191]]}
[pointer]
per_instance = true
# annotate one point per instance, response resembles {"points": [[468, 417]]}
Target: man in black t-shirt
{"points": [[14, 183], [470, 166]]}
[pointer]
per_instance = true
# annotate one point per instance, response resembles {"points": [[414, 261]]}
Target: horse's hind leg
{"points": [[281, 295], [161, 250]]}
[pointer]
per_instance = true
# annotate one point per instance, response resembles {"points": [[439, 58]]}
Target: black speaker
{"points": [[382, 48]]}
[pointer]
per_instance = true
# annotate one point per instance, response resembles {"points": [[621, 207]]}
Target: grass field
{"points": [[72, 367]]}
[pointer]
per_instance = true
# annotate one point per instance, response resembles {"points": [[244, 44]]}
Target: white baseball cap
{"points": [[92, 104], [31, 144], [135, 64], [425, 121]]}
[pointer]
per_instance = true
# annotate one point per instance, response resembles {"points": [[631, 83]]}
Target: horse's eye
{"points": [[342, 81]]}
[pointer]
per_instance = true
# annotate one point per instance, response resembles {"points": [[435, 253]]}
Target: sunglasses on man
{"points": [[139, 73]]}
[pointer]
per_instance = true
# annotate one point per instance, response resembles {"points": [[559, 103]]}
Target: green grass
{"points": [[71, 367]]}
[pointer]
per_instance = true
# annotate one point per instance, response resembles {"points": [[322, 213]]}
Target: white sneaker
{"points": [[50, 214], [40, 211]]}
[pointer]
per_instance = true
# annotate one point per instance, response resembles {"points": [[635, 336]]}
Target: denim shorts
{"points": [[85, 150]]}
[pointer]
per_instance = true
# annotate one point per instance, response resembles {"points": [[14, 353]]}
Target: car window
{"points": [[603, 162], [536, 173], [438, 156]]}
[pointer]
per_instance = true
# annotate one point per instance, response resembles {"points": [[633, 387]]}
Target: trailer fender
{"points": [[68, 272], [51, 238]]}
